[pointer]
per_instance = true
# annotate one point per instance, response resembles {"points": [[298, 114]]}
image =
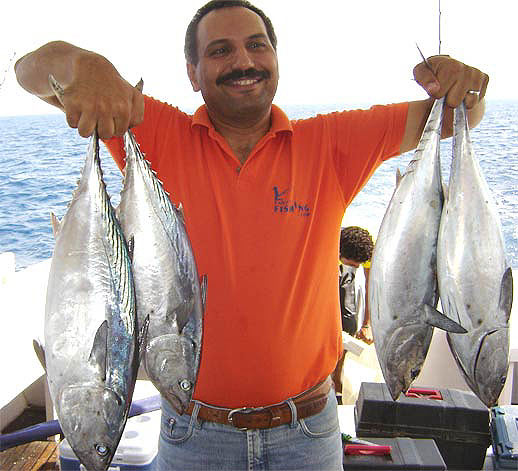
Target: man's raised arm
{"points": [[95, 95]]}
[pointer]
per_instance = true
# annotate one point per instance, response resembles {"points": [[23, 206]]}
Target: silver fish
{"points": [[475, 281], [403, 290], [90, 322], [168, 290]]}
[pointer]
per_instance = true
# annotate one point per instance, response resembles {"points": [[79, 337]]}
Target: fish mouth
{"points": [[407, 349], [170, 363], [90, 417], [96, 461], [491, 365]]}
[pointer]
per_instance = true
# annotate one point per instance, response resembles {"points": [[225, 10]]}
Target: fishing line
{"points": [[4, 73]]}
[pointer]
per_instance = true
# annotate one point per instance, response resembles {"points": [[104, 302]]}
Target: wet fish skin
{"points": [[403, 290], [475, 281], [90, 322], [167, 286]]}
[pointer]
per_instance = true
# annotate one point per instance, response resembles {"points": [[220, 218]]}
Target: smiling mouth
{"points": [[243, 78], [242, 83]]}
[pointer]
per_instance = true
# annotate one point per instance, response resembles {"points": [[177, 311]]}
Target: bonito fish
{"points": [[475, 281], [168, 291], [90, 322], [402, 283]]}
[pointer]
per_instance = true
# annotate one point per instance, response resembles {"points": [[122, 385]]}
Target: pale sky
{"points": [[330, 51]]}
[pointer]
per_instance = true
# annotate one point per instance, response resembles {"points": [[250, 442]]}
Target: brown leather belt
{"points": [[308, 403]]}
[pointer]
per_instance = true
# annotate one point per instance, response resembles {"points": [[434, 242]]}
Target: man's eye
{"points": [[219, 51], [256, 45]]}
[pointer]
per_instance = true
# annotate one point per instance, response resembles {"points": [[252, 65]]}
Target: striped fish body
{"points": [[167, 287], [90, 322], [402, 283], [475, 281]]}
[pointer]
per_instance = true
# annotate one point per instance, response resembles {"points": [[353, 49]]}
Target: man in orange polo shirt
{"points": [[264, 198]]}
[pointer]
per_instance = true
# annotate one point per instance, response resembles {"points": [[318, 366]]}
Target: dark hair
{"points": [[356, 244], [191, 43]]}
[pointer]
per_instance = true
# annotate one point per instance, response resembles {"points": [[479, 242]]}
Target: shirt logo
{"points": [[282, 205]]}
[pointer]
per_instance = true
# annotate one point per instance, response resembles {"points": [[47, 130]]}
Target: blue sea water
{"points": [[41, 159]]}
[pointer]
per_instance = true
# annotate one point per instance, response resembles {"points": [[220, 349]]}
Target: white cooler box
{"points": [[136, 451]]}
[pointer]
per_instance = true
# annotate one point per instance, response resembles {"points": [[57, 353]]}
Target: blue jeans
{"points": [[188, 443]]}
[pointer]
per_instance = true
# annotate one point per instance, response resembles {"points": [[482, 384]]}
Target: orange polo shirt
{"points": [[266, 233]]}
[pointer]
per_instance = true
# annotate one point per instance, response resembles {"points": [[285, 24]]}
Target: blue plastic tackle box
{"points": [[504, 434], [136, 451]]}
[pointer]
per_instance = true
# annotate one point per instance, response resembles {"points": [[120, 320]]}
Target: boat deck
{"points": [[34, 456]]}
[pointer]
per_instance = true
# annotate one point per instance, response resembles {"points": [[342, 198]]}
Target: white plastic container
{"points": [[136, 451]]}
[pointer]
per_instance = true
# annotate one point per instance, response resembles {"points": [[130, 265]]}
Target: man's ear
{"points": [[191, 72]]}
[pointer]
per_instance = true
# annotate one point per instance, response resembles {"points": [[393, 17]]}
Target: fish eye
{"points": [[102, 450], [185, 385]]}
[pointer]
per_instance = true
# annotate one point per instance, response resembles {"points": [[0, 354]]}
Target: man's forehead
{"points": [[229, 23]]}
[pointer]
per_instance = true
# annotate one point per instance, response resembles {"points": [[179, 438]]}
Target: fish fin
{"points": [[464, 373], [506, 292], [142, 338], [437, 319], [181, 213], [131, 248], [57, 88], [56, 224], [99, 349], [126, 139], [445, 190], [203, 288], [398, 176], [40, 352]]}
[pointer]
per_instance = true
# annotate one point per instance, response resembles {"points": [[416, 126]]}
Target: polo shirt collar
{"points": [[280, 121]]}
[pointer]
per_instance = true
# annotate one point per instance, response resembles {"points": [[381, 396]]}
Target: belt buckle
{"points": [[243, 410]]}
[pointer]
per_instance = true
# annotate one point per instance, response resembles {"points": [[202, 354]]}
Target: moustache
{"points": [[241, 74]]}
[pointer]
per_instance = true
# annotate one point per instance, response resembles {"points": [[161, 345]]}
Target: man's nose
{"points": [[242, 59]]}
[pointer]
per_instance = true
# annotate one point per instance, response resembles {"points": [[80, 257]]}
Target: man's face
{"points": [[237, 71], [350, 262]]}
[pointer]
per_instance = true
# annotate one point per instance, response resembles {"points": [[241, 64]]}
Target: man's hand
{"points": [[100, 97], [94, 94], [365, 334], [444, 76]]}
